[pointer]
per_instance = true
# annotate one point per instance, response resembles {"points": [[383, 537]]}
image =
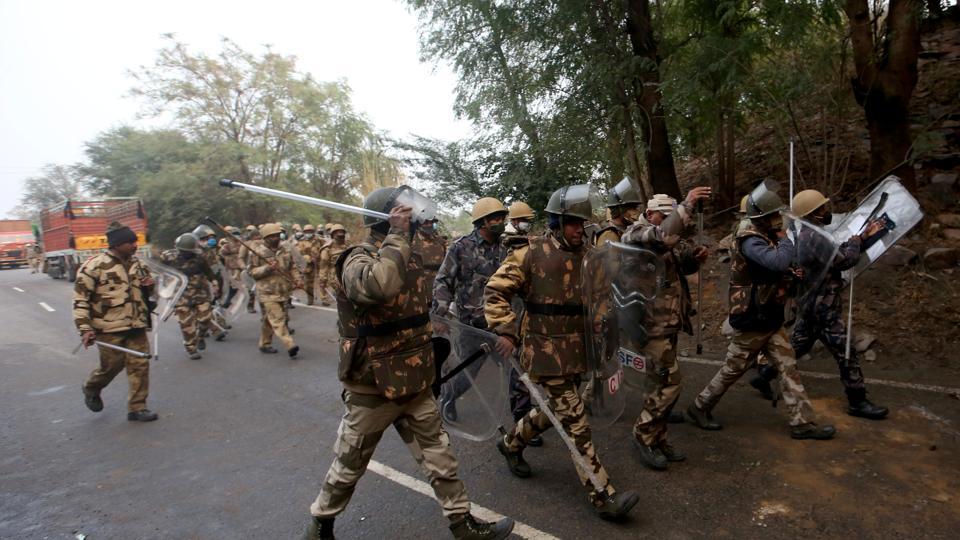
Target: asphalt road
{"points": [[244, 439]]}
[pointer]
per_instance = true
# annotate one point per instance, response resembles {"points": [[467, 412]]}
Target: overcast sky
{"points": [[63, 66]]}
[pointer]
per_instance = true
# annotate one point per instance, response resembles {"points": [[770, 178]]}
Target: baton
{"points": [[700, 277], [305, 199], [116, 348], [480, 353], [876, 210]]}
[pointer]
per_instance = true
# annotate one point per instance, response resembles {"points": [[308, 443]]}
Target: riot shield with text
{"points": [[815, 250], [892, 205], [619, 285], [473, 381], [238, 301]]}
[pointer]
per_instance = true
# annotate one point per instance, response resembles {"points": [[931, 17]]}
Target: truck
{"points": [[75, 230], [16, 240]]}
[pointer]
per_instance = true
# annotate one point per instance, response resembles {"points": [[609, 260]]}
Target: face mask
{"points": [[308, 236], [827, 218], [631, 215], [497, 229], [273, 241], [211, 242], [339, 238], [283, 236], [428, 227], [523, 226], [298, 236]]}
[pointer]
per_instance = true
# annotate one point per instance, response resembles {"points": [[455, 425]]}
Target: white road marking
{"points": [[46, 306], [18, 289], [520, 529], [321, 308], [830, 376], [46, 391]]}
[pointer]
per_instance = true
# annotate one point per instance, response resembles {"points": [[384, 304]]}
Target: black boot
{"points": [[518, 466], [319, 529], [616, 506], [862, 407], [702, 418], [671, 453], [651, 456], [92, 401], [470, 528], [811, 430], [143, 415], [763, 386]]}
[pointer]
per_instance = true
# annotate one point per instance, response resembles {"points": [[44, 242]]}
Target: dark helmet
{"points": [[575, 201], [380, 200], [763, 200], [187, 242]]}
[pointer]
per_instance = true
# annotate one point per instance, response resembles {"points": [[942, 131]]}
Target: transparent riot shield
{"points": [[169, 284], [892, 205], [473, 381], [815, 250], [619, 285], [238, 302]]}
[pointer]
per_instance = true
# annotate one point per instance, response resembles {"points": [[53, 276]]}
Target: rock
{"points": [[898, 256], [951, 234], [863, 340], [941, 258], [949, 220], [870, 356], [944, 179]]}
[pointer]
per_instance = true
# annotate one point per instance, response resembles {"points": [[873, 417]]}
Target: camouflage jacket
{"points": [[433, 248], [272, 285], [230, 254], [326, 269], [109, 295], [673, 305], [546, 275], [760, 280], [385, 330], [310, 249], [848, 255], [199, 276], [468, 264]]}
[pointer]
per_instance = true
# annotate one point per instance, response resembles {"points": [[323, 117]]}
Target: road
{"points": [[244, 439]]}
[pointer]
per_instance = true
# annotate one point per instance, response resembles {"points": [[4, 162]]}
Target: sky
{"points": [[64, 66]]}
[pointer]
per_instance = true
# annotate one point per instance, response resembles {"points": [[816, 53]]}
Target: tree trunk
{"points": [[728, 197], [653, 125], [884, 82]]}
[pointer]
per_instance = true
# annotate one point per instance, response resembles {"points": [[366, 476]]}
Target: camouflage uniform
{"points": [[823, 320], [458, 289], [326, 270], [230, 255], [245, 257], [194, 309], [273, 291], [212, 257], [310, 249], [758, 294], [671, 314], [108, 298], [387, 367], [546, 275]]}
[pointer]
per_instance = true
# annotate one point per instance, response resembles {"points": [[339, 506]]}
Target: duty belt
{"points": [[567, 310], [392, 327]]}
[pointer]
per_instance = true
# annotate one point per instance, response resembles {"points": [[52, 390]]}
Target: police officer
{"points": [[252, 238], [309, 247], [458, 288], [387, 367], [271, 265], [194, 310], [520, 217], [109, 305], [624, 204], [432, 245], [329, 254], [229, 253], [546, 275], [660, 231], [209, 252], [760, 277], [822, 319]]}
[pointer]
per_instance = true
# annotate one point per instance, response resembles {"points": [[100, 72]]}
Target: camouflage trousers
{"points": [[309, 285], [651, 425], [274, 321], [362, 426], [112, 362], [824, 322], [743, 350], [564, 400], [194, 323]]}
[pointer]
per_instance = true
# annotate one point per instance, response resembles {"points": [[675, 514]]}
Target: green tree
{"points": [[55, 184]]}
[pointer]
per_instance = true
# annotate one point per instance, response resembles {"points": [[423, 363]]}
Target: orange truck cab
{"points": [[16, 238]]}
